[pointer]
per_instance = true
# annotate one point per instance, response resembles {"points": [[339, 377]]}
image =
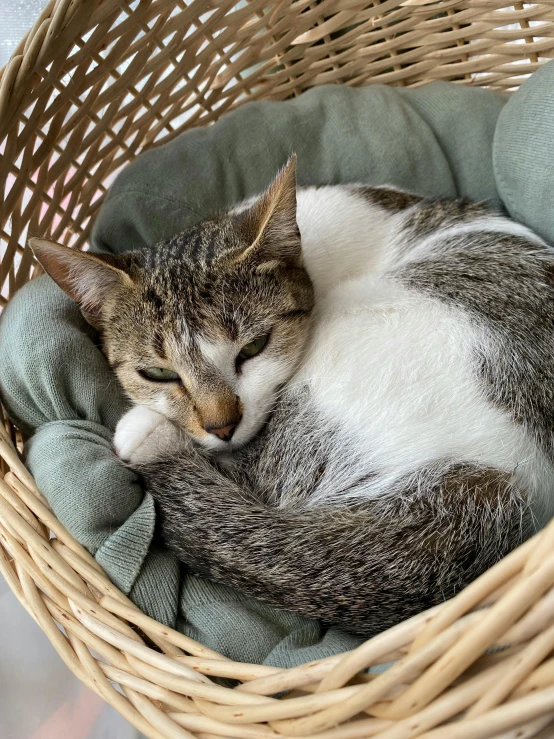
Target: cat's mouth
{"points": [[225, 441], [228, 441]]}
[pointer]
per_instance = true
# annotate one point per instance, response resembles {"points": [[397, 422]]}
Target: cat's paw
{"points": [[143, 436]]}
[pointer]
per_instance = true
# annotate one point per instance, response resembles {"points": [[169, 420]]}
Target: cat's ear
{"points": [[91, 280], [270, 223]]}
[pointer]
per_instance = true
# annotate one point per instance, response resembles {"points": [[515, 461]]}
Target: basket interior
{"points": [[93, 84]]}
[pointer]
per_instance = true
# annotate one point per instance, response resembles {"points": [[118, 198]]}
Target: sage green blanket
{"points": [[56, 384]]}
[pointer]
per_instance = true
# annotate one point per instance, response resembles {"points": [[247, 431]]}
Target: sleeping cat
{"points": [[344, 395]]}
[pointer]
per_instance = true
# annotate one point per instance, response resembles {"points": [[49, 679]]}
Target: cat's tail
{"points": [[363, 567]]}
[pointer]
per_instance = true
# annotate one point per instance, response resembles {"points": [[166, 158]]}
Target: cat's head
{"points": [[206, 327]]}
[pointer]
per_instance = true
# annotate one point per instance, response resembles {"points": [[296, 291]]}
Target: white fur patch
{"points": [[143, 435], [342, 235], [394, 370]]}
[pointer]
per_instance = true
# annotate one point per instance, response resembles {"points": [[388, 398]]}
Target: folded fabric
{"points": [[56, 384]]}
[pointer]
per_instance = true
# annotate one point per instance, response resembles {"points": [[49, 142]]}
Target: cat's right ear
{"points": [[91, 280], [270, 223]]}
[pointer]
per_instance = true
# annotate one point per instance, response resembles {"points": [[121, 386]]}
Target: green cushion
{"points": [[523, 153], [435, 141], [55, 381]]}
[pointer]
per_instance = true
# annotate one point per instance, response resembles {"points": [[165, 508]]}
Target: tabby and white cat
{"points": [[344, 394]]}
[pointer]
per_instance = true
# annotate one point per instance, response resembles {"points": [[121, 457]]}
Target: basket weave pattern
{"points": [[93, 84]]}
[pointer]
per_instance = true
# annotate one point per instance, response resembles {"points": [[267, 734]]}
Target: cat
{"points": [[344, 394]]}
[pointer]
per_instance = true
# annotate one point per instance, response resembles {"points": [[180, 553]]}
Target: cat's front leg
{"points": [[143, 435]]}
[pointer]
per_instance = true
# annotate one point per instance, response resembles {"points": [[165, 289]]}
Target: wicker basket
{"points": [[93, 84]]}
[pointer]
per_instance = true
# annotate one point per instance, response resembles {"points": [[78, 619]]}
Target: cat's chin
{"points": [[247, 430], [211, 444], [215, 445]]}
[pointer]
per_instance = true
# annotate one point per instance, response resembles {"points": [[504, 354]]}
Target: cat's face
{"points": [[208, 344], [208, 326]]}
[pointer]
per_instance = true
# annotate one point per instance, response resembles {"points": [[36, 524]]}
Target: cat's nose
{"points": [[225, 433]]}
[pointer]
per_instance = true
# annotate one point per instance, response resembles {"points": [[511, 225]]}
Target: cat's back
{"points": [[348, 229], [441, 344]]}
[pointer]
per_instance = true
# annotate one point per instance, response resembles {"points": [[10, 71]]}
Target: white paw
{"points": [[142, 435]]}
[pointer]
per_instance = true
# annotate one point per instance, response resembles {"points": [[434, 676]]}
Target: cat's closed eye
{"points": [[251, 349], [158, 374]]}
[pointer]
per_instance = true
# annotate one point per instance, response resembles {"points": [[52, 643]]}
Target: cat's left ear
{"points": [[270, 224], [91, 280]]}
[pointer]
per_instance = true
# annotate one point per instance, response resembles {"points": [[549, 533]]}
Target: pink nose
{"points": [[225, 433]]}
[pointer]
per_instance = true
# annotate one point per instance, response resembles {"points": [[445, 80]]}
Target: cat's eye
{"points": [[159, 374], [251, 349]]}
